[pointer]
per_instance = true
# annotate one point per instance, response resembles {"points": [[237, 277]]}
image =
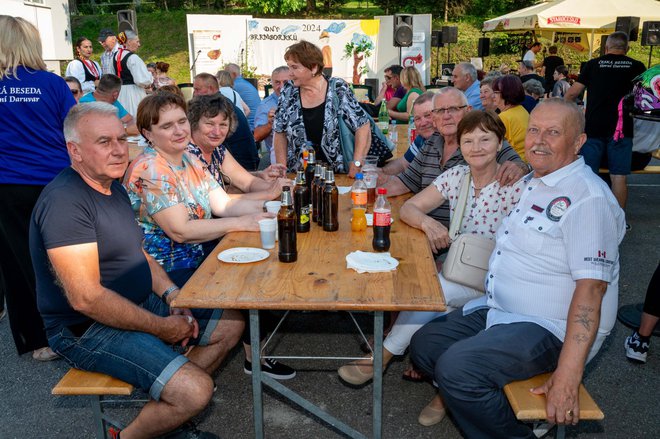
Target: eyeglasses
{"points": [[450, 110], [387, 78], [75, 92]]}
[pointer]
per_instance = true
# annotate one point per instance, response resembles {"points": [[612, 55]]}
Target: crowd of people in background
{"points": [[199, 177]]}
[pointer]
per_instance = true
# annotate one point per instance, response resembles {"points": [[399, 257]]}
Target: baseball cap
{"points": [[105, 33]]}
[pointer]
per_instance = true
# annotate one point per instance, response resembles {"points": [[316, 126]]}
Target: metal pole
{"points": [[256, 375], [650, 55]]}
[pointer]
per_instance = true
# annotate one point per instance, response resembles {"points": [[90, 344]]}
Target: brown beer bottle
{"points": [[319, 196], [330, 203], [310, 170], [314, 193], [301, 203], [286, 228]]}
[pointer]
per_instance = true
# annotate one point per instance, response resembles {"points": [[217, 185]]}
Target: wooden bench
{"points": [[98, 387], [651, 169], [529, 407]]}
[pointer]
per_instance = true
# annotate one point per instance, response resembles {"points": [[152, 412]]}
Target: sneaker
{"points": [[189, 431], [637, 347], [273, 369]]}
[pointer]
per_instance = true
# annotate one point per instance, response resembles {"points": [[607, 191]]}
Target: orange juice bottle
{"points": [[359, 220]]}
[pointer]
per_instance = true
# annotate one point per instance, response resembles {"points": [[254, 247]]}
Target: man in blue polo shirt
{"points": [[248, 93], [108, 91], [464, 77], [263, 120]]}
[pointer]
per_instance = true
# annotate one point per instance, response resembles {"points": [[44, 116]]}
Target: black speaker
{"points": [[403, 30], [629, 25], [603, 42], [483, 47], [436, 39], [449, 34], [651, 33], [126, 20]]}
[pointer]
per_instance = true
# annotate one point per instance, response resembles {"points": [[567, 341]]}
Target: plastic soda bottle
{"points": [[359, 192], [382, 220]]}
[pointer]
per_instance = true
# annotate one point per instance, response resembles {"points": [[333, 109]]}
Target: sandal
{"points": [[44, 354], [413, 375]]}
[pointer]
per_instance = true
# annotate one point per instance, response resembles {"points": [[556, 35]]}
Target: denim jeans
{"points": [[471, 365], [138, 358]]}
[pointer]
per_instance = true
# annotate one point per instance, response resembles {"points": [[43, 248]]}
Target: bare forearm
{"points": [[582, 325], [160, 281], [395, 167], [362, 142], [395, 186], [280, 145], [198, 231], [262, 131]]}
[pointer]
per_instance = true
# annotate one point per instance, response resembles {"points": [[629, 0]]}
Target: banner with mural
{"points": [[414, 56], [348, 46]]}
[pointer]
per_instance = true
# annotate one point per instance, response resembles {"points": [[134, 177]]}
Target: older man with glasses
{"points": [[441, 152]]}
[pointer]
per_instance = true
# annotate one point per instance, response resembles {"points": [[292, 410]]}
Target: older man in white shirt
{"points": [[551, 291]]}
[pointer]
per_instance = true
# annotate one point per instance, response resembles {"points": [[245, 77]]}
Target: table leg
{"points": [[378, 374], [257, 398]]}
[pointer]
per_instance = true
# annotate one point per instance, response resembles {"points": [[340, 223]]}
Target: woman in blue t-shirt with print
{"points": [[33, 105]]}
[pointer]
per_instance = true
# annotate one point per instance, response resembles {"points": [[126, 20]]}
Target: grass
{"points": [[164, 38]]}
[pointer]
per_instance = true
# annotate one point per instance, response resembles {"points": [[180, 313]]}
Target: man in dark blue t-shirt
{"points": [[104, 301]]}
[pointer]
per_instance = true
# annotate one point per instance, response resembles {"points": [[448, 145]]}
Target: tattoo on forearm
{"points": [[581, 338], [583, 317]]}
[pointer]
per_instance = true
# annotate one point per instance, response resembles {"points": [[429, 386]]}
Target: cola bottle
{"points": [[382, 220]]}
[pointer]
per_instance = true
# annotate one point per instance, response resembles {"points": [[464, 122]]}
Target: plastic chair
{"points": [[267, 89], [363, 92], [187, 90]]}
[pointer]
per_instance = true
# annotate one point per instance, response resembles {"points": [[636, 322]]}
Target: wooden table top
{"points": [[319, 280]]}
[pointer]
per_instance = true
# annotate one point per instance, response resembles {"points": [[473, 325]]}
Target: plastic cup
{"points": [[273, 206], [370, 163], [267, 228]]}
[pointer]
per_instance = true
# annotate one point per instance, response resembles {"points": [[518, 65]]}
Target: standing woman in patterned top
{"points": [[309, 109], [133, 72], [84, 68]]}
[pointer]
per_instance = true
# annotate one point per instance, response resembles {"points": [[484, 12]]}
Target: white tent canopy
{"points": [[575, 15]]}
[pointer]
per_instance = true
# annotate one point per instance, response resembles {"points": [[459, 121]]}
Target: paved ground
{"points": [[627, 393]]}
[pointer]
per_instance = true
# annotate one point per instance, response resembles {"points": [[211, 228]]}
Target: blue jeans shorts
{"points": [[138, 358], [618, 153]]}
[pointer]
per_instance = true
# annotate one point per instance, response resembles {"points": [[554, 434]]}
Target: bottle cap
{"points": [[382, 191], [359, 176]]}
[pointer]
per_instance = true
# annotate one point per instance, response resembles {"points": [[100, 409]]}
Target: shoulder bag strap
{"points": [[457, 218]]}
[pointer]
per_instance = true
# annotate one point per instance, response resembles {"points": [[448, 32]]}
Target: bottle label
{"points": [[359, 198], [304, 215], [382, 218]]}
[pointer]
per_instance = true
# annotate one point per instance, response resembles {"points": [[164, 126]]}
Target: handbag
{"points": [[381, 146], [468, 256]]}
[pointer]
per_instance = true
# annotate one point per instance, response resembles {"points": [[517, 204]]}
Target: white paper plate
{"points": [[243, 255], [371, 262], [370, 219]]}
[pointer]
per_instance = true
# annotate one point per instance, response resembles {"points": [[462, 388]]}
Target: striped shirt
{"points": [[427, 165]]}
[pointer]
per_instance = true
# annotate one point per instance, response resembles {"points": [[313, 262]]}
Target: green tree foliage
{"points": [[276, 6]]}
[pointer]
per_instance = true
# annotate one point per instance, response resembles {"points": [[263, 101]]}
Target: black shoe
{"points": [[189, 431], [637, 347], [273, 369]]}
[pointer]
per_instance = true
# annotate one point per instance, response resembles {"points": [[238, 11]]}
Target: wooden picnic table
{"points": [[319, 280]]}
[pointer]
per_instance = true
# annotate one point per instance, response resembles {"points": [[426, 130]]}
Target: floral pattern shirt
{"points": [[483, 214], [217, 157], [153, 184], [289, 120]]}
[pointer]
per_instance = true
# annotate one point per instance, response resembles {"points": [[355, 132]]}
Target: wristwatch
{"points": [[357, 163]]}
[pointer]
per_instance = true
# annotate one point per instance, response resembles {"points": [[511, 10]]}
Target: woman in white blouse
{"points": [[133, 72], [480, 135], [83, 68], [226, 83]]}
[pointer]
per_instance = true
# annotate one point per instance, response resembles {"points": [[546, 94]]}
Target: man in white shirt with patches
{"points": [[551, 291]]}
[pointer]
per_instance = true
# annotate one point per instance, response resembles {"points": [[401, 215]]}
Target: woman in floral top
{"points": [[307, 111], [174, 198], [480, 136]]}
